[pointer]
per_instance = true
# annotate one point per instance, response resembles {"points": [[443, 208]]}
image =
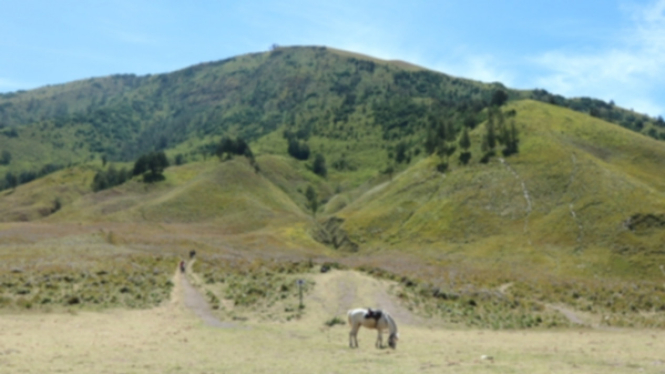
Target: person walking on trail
{"points": [[182, 266]]}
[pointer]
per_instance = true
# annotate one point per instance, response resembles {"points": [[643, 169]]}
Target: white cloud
{"points": [[630, 73], [485, 68]]}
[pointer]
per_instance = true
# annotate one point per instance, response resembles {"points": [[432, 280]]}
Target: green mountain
{"points": [[309, 90], [356, 159], [372, 121]]}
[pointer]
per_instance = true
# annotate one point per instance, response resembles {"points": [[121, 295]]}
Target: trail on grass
{"points": [[191, 298], [333, 294]]}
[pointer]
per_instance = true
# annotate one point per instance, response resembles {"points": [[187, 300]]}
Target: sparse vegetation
{"points": [[266, 288], [138, 282]]}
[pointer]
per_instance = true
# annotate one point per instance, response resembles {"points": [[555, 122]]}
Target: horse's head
{"points": [[392, 341]]}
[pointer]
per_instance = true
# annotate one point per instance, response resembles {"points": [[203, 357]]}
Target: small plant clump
{"points": [[334, 321]]}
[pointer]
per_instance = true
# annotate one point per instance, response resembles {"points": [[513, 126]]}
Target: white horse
{"points": [[372, 319]]}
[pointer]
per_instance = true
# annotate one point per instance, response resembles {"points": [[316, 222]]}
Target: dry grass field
{"points": [[183, 336]]}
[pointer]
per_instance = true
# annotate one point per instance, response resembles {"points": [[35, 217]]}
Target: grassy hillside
{"points": [[581, 197], [570, 193], [579, 207]]}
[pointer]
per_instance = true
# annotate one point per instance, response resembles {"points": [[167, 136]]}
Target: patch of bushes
{"points": [[134, 282], [269, 287], [334, 321]]}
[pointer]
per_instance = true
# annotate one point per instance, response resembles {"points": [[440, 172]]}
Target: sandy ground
{"points": [[179, 337]]}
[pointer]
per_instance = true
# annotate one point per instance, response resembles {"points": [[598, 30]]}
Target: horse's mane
{"points": [[391, 323]]}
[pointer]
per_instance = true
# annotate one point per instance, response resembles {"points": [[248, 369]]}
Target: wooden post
{"points": [[300, 283]]}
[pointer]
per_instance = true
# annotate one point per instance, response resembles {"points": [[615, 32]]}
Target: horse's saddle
{"points": [[373, 314]]}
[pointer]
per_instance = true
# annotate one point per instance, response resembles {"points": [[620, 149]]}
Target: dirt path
{"points": [[338, 291], [569, 314], [195, 302], [188, 296]]}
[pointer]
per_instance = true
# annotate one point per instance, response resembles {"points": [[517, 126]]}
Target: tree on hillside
{"points": [[660, 122], [151, 166], [465, 144], [298, 149], [5, 158], [109, 178], [319, 165], [11, 180], [489, 139], [490, 131], [226, 147], [440, 140], [495, 115], [229, 147], [511, 143], [312, 199], [499, 98], [431, 141], [401, 153]]}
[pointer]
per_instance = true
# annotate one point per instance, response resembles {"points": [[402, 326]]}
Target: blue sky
{"points": [[611, 50]]}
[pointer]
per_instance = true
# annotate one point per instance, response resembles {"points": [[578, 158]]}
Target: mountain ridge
{"points": [[119, 116]]}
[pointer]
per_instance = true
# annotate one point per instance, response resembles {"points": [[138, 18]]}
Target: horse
{"points": [[372, 319]]}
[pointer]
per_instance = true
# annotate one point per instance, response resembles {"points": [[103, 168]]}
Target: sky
{"points": [[609, 49]]}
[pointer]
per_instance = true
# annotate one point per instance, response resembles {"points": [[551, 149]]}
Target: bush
{"points": [[151, 166], [319, 165], [298, 149], [334, 321], [464, 158]]}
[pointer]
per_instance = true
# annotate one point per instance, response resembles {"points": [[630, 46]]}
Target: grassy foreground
{"points": [[171, 339]]}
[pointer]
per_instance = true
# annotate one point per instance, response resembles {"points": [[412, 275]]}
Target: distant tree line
{"points": [[297, 144], [5, 158], [608, 111], [12, 180], [443, 136], [298, 149], [497, 132], [110, 177], [150, 166], [229, 147]]}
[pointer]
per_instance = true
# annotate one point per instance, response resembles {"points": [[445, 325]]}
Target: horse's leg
{"points": [[353, 336], [379, 339]]}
